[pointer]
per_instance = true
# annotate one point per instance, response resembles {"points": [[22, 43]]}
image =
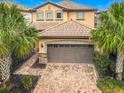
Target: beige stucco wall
{"points": [[43, 43], [88, 18], [89, 15], [48, 7]]}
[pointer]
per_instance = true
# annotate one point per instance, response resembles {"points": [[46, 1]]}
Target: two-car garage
{"points": [[68, 42], [70, 53]]}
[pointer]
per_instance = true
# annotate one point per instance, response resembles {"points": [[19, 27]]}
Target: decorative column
{"points": [[43, 55]]}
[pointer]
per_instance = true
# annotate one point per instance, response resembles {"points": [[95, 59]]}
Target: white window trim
{"points": [[47, 16], [42, 17], [83, 15]]}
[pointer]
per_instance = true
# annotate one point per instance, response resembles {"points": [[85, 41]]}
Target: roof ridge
{"points": [[68, 28], [76, 3], [46, 3], [82, 24], [55, 26], [58, 4], [64, 23]]}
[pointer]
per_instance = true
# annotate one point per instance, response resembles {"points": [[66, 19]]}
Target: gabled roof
{"points": [[68, 5], [41, 5], [69, 28], [19, 6]]}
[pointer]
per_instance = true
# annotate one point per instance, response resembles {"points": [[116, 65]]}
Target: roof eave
{"points": [[24, 10], [80, 9]]}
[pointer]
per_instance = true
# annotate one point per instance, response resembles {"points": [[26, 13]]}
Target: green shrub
{"points": [[4, 90], [103, 64], [26, 81], [110, 85]]}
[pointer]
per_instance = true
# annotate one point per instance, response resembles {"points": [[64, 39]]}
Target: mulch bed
{"points": [[16, 87]]}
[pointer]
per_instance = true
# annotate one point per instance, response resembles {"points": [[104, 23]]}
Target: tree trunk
{"points": [[5, 64], [119, 65]]}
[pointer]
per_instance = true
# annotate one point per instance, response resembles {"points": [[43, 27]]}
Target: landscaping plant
{"points": [[16, 38], [109, 36], [4, 89], [110, 85], [104, 65], [26, 81]]}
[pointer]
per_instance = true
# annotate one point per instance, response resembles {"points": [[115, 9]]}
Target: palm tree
{"points": [[109, 36], [15, 38]]}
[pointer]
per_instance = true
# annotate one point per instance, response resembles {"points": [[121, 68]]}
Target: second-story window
{"points": [[59, 14], [40, 16], [49, 14], [80, 15]]}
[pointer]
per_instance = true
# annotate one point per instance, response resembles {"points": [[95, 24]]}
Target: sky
{"points": [[99, 4]]}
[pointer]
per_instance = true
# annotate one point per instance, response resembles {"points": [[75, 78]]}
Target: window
{"points": [[40, 16], [27, 17], [80, 15], [58, 14], [49, 14]]}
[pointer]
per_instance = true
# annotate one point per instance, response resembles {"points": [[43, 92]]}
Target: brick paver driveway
{"points": [[67, 78], [63, 78]]}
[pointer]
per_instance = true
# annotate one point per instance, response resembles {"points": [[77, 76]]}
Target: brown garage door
{"points": [[66, 53]]}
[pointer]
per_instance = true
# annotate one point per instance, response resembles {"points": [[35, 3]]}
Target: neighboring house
{"points": [[64, 31], [26, 11]]}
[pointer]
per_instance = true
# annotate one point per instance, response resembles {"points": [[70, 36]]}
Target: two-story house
{"points": [[65, 32], [55, 13]]}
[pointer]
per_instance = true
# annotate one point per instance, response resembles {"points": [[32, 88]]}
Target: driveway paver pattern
{"points": [[68, 78], [62, 77]]}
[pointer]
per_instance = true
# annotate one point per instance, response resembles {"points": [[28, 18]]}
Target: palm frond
{"points": [[15, 36], [110, 34]]}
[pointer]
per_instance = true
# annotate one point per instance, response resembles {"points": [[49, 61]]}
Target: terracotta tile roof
{"points": [[19, 6], [49, 2], [69, 5], [44, 25], [69, 28]]}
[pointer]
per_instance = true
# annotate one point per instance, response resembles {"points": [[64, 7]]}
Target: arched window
{"points": [[59, 14], [40, 16], [49, 14]]}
